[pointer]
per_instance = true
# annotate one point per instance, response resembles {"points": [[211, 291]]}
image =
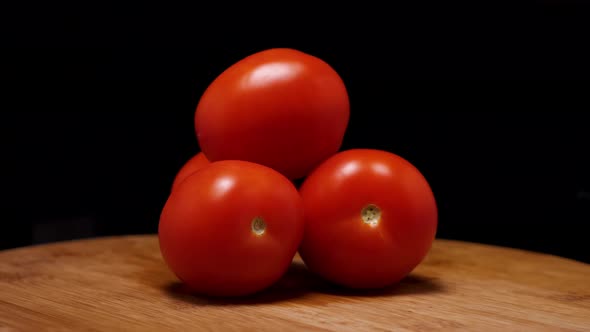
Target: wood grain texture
{"points": [[122, 284]]}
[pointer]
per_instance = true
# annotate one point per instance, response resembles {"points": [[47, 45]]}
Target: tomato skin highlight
{"points": [[343, 248], [280, 107], [210, 237], [194, 164]]}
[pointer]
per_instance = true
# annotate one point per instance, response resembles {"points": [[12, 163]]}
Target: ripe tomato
{"points": [[280, 107], [371, 218], [194, 164], [231, 228]]}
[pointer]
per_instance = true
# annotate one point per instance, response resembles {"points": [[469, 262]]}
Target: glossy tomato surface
{"points": [[371, 218], [280, 107], [194, 164], [231, 228]]}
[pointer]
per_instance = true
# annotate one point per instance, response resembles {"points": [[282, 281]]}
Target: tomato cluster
{"points": [[234, 220]]}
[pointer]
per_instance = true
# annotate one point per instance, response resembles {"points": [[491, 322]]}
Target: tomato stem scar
{"points": [[258, 226], [371, 214]]}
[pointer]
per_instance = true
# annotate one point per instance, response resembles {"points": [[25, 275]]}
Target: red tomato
{"points": [[281, 108], [231, 228], [194, 164], [371, 218]]}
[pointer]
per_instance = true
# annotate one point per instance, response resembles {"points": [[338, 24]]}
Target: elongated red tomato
{"points": [[280, 107], [371, 218], [194, 164], [232, 228]]}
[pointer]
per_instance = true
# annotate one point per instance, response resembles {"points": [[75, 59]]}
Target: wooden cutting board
{"points": [[122, 284]]}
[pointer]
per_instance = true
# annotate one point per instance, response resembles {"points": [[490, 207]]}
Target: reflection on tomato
{"points": [[194, 164], [231, 228], [281, 108], [371, 218]]}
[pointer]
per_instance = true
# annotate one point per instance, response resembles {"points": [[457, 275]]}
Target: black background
{"points": [[98, 103]]}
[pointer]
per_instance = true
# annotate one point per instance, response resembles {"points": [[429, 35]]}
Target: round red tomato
{"points": [[371, 218], [281, 108], [231, 228], [194, 164]]}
